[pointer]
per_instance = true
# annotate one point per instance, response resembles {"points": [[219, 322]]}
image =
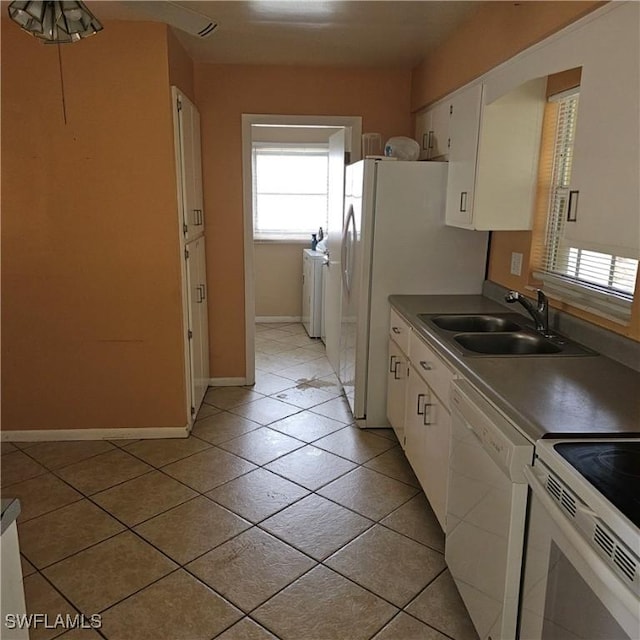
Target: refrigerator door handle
{"points": [[347, 251]]}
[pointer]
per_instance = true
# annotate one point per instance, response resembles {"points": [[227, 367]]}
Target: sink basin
{"points": [[498, 335], [474, 323], [507, 343]]}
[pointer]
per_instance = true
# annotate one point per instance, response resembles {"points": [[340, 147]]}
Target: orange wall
{"points": [[91, 305], [223, 94], [494, 33], [180, 66]]}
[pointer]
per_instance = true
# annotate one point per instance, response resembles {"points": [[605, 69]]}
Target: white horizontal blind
{"points": [[290, 185], [599, 282]]}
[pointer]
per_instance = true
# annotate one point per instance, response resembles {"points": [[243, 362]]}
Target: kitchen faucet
{"points": [[540, 314]]}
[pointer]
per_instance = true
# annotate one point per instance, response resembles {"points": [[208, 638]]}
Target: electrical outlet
{"points": [[516, 264]]}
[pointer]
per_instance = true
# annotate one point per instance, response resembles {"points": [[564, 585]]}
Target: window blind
{"points": [[598, 282]]}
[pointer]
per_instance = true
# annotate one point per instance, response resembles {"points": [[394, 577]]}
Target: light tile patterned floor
{"points": [[276, 518]]}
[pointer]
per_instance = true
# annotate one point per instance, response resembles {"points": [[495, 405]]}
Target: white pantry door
{"points": [[198, 321]]}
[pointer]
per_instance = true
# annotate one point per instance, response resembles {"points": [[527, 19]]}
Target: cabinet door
{"points": [[436, 457], [191, 161], [439, 132], [606, 164], [397, 374], [417, 395], [464, 127], [198, 321], [427, 441], [422, 128], [432, 132]]}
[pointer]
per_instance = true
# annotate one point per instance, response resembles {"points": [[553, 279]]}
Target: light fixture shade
{"points": [[55, 22]]}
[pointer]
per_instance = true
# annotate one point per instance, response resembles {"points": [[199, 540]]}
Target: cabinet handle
{"points": [[396, 330], [463, 201], [572, 209], [419, 411], [425, 365], [430, 140], [204, 292], [392, 364], [198, 217], [199, 290], [426, 415], [425, 140], [395, 370]]}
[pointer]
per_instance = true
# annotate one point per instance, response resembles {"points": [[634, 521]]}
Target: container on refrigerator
{"points": [[394, 241]]}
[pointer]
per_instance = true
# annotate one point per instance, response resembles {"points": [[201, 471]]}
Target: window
{"points": [[290, 190], [598, 282]]}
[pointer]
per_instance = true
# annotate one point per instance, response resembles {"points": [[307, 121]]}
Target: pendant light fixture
{"points": [[56, 22]]}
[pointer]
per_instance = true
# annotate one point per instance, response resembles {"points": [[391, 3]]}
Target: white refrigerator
{"points": [[394, 241]]}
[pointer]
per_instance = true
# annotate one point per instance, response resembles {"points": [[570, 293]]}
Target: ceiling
{"points": [[360, 33]]}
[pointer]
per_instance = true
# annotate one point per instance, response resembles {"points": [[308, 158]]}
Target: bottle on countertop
{"points": [[314, 241]]}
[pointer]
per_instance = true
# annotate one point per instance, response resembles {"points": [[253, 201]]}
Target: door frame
{"points": [[177, 94], [350, 123]]}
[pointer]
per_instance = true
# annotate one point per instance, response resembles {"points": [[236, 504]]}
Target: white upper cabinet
{"points": [[605, 213], [464, 127], [432, 132], [493, 159], [508, 153], [191, 161], [606, 163]]}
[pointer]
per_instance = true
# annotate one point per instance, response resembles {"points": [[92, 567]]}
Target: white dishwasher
{"points": [[486, 510]]}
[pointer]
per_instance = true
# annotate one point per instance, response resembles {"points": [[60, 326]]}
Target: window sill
{"points": [[283, 239], [612, 308]]}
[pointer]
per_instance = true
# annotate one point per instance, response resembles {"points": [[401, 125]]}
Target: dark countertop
{"points": [[546, 396], [10, 511]]}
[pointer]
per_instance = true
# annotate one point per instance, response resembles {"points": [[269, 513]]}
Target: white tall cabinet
{"points": [[192, 244]]}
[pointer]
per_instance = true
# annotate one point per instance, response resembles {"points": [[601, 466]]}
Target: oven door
{"points": [[569, 591]]}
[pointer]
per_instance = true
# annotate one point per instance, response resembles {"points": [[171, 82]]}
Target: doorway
{"points": [[277, 130]]}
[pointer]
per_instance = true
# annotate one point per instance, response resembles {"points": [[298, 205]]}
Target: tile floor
{"points": [[276, 518]]}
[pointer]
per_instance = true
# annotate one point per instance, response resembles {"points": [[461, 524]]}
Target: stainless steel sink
{"points": [[473, 323], [499, 335], [507, 343]]}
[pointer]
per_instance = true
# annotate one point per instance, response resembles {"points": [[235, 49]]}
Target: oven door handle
{"points": [[584, 552]]}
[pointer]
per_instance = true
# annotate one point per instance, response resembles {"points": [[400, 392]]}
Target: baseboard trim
{"points": [[128, 433], [227, 382], [274, 319]]}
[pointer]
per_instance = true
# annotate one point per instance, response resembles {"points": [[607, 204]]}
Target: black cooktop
{"points": [[613, 468]]}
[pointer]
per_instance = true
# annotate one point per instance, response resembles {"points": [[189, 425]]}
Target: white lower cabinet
{"points": [[397, 374], [427, 438], [418, 384]]}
